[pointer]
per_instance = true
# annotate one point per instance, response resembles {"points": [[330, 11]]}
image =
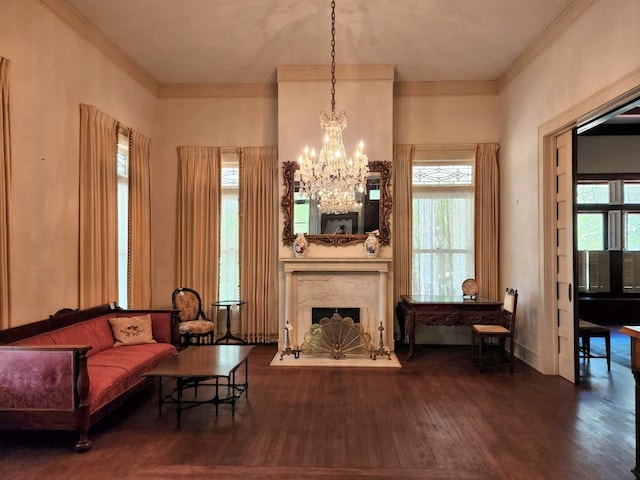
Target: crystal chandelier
{"points": [[335, 181]]}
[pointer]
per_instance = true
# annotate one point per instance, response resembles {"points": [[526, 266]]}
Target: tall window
{"points": [[229, 281], [608, 235], [122, 162], [443, 233]]}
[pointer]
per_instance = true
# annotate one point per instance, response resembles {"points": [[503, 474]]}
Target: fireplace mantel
{"points": [[337, 282], [298, 264]]}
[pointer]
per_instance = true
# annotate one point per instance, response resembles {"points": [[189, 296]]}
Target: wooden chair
{"points": [[484, 334], [587, 331], [194, 326]]}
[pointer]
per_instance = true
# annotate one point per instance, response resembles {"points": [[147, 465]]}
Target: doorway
{"points": [[611, 103], [608, 225]]}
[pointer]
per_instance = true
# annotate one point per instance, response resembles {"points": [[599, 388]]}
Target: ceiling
{"points": [[243, 41]]}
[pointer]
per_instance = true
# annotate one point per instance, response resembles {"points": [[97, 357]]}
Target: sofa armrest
{"points": [[51, 378]]}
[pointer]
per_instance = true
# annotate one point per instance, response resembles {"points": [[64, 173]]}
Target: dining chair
{"points": [[487, 335]]}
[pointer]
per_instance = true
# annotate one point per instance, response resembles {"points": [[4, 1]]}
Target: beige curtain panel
{"points": [[402, 219], [198, 214], [139, 295], [259, 244], [5, 177], [487, 221], [98, 208]]}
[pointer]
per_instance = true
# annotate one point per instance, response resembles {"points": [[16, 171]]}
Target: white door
{"points": [[564, 257]]}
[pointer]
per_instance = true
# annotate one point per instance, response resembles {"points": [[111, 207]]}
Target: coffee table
{"points": [[200, 366]]}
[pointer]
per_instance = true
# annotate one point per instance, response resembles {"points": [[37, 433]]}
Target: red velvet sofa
{"points": [[65, 373]]}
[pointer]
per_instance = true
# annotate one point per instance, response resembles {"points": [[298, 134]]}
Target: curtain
{"points": [[139, 269], [5, 170], [197, 218], [402, 219], [98, 276], [259, 243], [442, 239], [487, 220]]}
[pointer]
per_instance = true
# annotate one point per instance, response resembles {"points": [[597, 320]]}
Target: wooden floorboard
{"points": [[435, 418]]}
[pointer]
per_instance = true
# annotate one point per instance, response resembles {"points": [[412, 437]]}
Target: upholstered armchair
{"points": [[194, 327]]}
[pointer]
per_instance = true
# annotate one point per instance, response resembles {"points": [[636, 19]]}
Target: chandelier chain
{"points": [[333, 56]]}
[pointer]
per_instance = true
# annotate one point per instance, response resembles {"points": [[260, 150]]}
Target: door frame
{"points": [[604, 101]]}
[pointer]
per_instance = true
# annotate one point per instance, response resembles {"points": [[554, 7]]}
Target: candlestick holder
{"points": [[381, 350], [287, 345]]}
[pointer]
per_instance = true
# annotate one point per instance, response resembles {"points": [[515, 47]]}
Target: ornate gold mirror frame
{"points": [[287, 203]]}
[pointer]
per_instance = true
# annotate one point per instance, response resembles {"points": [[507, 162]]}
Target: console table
{"points": [[443, 310]]}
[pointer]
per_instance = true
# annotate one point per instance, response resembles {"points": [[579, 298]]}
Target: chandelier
{"points": [[336, 182]]}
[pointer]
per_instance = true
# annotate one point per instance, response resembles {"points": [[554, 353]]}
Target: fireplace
{"points": [[344, 283], [319, 312]]}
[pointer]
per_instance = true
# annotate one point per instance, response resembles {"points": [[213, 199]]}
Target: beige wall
{"points": [[599, 50], [446, 119], [53, 70]]}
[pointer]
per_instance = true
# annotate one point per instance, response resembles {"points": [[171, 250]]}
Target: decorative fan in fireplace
{"points": [[336, 336]]}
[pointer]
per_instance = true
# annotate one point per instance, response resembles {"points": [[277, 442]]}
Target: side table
{"points": [[228, 304]]}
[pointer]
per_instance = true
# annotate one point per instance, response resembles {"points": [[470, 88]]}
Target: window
{"points": [[229, 274], [608, 235], [631, 253], [122, 162], [443, 228]]}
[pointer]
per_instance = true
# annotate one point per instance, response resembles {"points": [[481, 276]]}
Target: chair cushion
{"points": [[195, 327], [490, 329], [591, 328], [131, 330]]}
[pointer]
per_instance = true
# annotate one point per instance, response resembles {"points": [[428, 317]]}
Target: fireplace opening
{"points": [[318, 313]]}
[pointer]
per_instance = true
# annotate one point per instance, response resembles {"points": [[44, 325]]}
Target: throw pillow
{"points": [[131, 330]]}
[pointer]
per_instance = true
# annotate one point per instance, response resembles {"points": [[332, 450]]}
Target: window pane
{"points": [[590, 231], [593, 193], [122, 167], [632, 192], [443, 255], [229, 275], [632, 231], [457, 174]]}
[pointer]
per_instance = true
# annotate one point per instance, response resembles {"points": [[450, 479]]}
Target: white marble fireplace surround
{"points": [[337, 282]]}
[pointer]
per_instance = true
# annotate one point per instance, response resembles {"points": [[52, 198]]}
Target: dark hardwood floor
{"points": [[435, 418]]}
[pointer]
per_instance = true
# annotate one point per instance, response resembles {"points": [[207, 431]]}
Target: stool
{"points": [[587, 331]]}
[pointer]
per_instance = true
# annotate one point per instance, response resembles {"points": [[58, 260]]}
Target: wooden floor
{"points": [[436, 418]]}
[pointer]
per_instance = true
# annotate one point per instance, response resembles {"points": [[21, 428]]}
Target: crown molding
{"points": [[481, 87], [218, 90], [296, 73], [86, 30], [577, 8]]}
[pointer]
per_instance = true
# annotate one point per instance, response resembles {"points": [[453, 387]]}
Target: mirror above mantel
{"points": [[301, 215]]}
